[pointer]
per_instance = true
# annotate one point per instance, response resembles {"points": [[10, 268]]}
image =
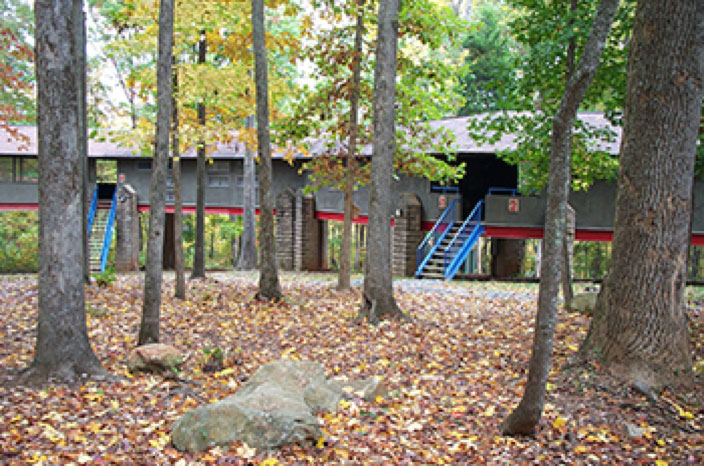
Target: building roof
{"points": [[99, 147]]}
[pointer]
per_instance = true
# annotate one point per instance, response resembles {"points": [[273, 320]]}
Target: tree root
{"points": [[66, 374]]}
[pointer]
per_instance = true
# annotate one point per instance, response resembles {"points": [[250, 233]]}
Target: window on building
{"points": [[7, 169], [218, 166], [144, 164], [218, 181], [239, 182], [29, 170]]}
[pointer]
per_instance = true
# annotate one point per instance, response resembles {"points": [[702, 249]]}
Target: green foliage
{"points": [[427, 89], [544, 31], [18, 241], [220, 231], [491, 58], [17, 101], [106, 277]]}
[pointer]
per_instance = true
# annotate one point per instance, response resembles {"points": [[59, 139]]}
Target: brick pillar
{"points": [[285, 229], [127, 226], [407, 235], [308, 234]]}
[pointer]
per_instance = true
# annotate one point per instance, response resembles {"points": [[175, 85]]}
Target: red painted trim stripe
{"points": [[208, 210], [337, 217], [698, 239], [490, 231], [513, 232], [13, 207]]}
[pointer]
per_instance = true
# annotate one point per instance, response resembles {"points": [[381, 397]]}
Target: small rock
{"points": [[584, 303], [633, 431], [154, 357]]}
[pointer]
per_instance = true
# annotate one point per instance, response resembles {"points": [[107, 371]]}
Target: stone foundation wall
{"points": [[406, 236]]}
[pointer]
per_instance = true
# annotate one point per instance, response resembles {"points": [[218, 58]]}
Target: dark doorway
{"points": [[484, 171]]}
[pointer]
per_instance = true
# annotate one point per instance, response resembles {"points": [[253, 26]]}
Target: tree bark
{"points": [[269, 287], [343, 277], [377, 297], [199, 244], [248, 251], [525, 417], [639, 329], [62, 348], [180, 284], [568, 255], [149, 327], [79, 30]]}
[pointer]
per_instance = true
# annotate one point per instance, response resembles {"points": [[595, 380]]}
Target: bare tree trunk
{"points": [[527, 414], [696, 263], [596, 263], [377, 298], [269, 287], [199, 245], [568, 255], [358, 245], [343, 277], [79, 30], [151, 309], [639, 328], [248, 251], [180, 285], [62, 348]]}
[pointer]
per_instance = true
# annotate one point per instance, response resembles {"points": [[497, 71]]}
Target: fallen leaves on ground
{"points": [[453, 373]]}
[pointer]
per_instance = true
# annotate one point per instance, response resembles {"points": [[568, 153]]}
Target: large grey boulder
{"points": [[275, 407]]}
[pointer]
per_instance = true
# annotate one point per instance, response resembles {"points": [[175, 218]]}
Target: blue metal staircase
{"points": [[446, 247], [101, 221]]}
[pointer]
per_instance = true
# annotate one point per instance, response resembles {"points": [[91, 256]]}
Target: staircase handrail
{"points": [[438, 233], [461, 236], [91, 211], [461, 255], [509, 191], [472, 217], [107, 238]]}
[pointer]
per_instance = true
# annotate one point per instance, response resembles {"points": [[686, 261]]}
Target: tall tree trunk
{"points": [[79, 31], [570, 222], [199, 245], [568, 255], [377, 297], [248, 251], [343, 277], [527, 414], [62, 347], [358, 245], [149, 327], [696, 262], [639, 328], [269, 287], [596, 263], [180, 285]]}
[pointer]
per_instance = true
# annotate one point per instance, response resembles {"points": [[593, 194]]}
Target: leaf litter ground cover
{"points": [[453, 374]]}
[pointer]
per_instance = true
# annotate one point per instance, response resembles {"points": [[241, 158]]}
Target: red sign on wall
{"points": [[514, 205]]}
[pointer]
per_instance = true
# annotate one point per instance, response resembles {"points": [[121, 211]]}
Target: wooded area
{"points": [[368, 75]]}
